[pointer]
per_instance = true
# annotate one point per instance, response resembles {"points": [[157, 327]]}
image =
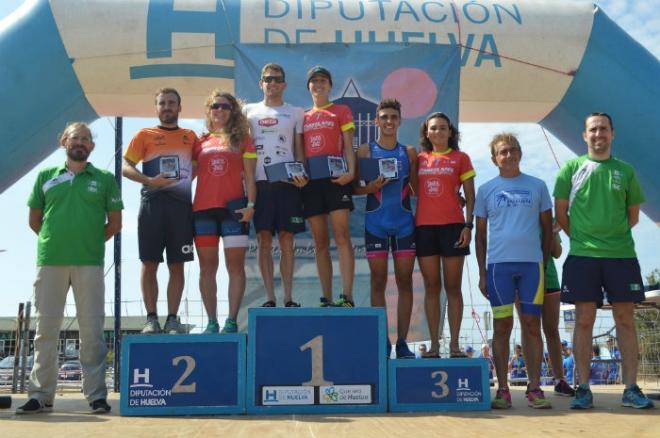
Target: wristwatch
{"points": [[469, 225], [250, 204]]}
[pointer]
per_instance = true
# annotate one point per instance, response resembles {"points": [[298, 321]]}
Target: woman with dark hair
{"points": [[224, 202], [443, 233]]}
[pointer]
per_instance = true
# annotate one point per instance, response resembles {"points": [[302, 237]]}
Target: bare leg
{"points": [[174, 287], [625, 331], [319, 227], [265, 239], [149, 283], [453, 276], [403, 269], [208, 268], [235, 263], [430, 267], [531, 326], [339, 221], [501, 334], [551, 331], [286, 264], [585, 316]]}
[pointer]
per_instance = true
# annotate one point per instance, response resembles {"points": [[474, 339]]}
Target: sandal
{"points": [[269, 304], [291, 304], [457, 354]]}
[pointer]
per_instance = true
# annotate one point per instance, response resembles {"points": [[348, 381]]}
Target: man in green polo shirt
{"points": [[597, 202], [74, 209]]}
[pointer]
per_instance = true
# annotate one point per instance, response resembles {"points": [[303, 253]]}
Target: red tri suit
{"points": [[440, 175], [323, 128], [219, 171]]}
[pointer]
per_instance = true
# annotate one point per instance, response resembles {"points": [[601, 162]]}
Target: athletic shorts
{"points": [[593, 278], [278, 208], [165, 223], [552, 286], [378, 247], [214, 223], [503, 280], [439, 240], [321, 196]]}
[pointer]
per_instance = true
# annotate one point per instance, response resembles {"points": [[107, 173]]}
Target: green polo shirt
{"points": [[74, 214]]}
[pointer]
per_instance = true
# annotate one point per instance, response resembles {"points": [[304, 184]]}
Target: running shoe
{"points": [[343, 301], [402, 350], [212, 328], [502, 399], [151, 327], [633, 397], [536, 399], [230, 326], [100, 406], [564, 389], [388, 349], [325, 302], [34, 406], [584, 399], [173, 326]]}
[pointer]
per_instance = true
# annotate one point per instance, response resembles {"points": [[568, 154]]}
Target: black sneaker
{"points": [[34, 406], [325, 302], [100, 406]]}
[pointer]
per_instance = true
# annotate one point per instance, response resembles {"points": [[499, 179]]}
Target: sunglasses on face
{"points": [[276, 79], [224, 106]]}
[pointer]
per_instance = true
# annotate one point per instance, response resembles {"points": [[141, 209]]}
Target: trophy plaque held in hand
{"points": [[169, 166]]}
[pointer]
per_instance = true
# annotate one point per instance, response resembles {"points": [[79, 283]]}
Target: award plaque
{"points": [[336, 166], [169, 166], [389, 168], [294, 169]]}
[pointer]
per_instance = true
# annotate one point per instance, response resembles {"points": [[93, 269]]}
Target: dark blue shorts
{"points": [[592, 279], [278, 208], [504, 280], [214, 223]]}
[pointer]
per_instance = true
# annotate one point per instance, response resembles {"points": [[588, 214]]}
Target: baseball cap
{"points": [[318, 70], [564, 342], [469, 349]]}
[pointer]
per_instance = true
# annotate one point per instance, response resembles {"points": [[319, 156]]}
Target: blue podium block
{"points": [[183, 375], [423, 385], [322, 360]]}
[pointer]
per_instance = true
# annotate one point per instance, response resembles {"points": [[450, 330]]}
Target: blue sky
{"points": [[640, 19]]}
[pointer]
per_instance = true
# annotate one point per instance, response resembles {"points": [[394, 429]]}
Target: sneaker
{"points": [[343, 301], [34, 406], [173, 326], [212, 328], [402, 350], [151, 327], [584, 399], [324, 302], [502, 399], [230, 326], [100, 406], [388, 349], [536, 399], [564, 389], [633, 397]]}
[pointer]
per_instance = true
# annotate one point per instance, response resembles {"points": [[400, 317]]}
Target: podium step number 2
{"points": [[183, 375]]}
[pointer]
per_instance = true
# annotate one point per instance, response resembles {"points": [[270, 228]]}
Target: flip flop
{"points": [[291, 304], [269, 304]]}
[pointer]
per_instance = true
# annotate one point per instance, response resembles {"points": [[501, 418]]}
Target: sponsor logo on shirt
{"points": [[218, 166], [268, 121], [315, 143], [513, 198], [433, 187]]}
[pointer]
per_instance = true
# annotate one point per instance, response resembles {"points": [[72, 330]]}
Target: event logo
{"points": [[433, 187], [218, 166]]}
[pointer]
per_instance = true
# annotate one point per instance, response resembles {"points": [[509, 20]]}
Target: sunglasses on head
{"points": [[224, 106], [276, 79]]}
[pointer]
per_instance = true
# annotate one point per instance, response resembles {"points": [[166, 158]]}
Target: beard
{"points": [[168, 117], [78, 153]]}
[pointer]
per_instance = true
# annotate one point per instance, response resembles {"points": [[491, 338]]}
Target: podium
{"points": [[183, 375], [425, 385], [316, 360]]}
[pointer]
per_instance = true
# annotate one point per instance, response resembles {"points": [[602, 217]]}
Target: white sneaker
{"points": [[151, 327], [173, 326]]}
